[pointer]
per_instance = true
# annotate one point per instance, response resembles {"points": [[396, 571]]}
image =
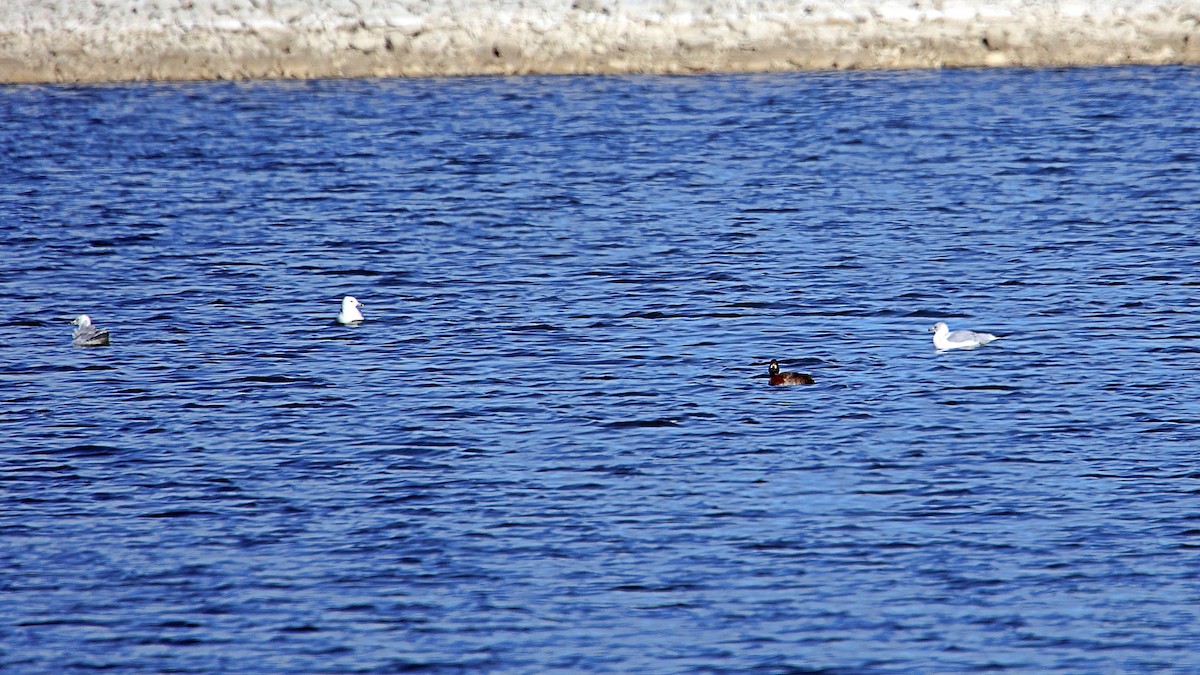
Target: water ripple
{"points": [[551, 445]]}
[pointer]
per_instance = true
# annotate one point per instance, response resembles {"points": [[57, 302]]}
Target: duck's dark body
{"points": [[779, 379]]}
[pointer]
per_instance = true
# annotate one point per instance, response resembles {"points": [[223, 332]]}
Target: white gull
{"points": [[944, 339], [350, 316]]}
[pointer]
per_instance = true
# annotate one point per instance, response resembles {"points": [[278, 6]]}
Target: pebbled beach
{"points": [[113, 40]]}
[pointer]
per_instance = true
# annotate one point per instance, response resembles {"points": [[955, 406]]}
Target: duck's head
{"points": [[773, 369]]}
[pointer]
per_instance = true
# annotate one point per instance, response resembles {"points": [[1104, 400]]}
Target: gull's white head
{"points": [[82, 320], [350, 302], [939, 327]]}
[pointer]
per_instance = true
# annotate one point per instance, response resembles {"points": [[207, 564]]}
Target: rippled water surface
{"points": [[551, 446]]}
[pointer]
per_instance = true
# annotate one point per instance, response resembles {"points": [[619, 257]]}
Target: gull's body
{"points": [[87, 335], [350, 316], [944, 338]]}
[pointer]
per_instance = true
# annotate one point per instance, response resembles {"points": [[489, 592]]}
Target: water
{"points": [[551, 446]]}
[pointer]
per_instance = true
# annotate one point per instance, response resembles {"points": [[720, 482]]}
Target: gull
{"points": [[350, 316], [87, 335], [944, 339]]}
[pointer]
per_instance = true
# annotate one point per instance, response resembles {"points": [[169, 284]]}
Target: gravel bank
{"points": [[113, 40]]}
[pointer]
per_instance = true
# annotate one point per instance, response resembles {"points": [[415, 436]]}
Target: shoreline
{"points": [[77, 41]]}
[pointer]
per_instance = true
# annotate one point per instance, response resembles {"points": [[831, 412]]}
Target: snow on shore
{"points": [[113, 40]]}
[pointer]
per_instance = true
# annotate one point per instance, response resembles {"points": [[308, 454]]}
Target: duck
{"points": [[350, 316], [779, 379], [88, 335], [944, 339]]}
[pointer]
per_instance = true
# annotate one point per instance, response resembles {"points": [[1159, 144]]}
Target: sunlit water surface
{"points": [[551, 446]]}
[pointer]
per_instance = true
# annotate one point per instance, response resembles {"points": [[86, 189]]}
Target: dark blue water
{"points": [[551, 446]]}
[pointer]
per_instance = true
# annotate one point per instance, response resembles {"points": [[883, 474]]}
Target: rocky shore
{"points": [[117, 40]]}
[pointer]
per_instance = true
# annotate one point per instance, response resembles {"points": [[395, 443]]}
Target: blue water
{"points": [[551, 445]]}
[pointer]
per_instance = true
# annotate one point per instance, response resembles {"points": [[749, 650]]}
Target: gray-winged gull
{"points": [[87, 335], [944, 339]]}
